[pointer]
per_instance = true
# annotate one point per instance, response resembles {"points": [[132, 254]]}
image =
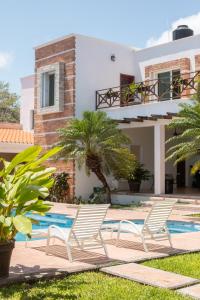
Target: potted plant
{"points": [[24, 183], [136, 177]]}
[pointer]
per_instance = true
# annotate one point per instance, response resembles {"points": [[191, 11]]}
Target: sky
{"points": [[25, 24]]}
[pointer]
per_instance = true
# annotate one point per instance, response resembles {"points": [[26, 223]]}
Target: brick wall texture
{"points": [[183, 64], [46, 125]]}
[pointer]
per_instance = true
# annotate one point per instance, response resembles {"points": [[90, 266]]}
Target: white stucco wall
{"points": [[26, 101], [94, 71]]}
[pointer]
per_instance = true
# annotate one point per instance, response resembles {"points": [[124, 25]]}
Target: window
{"points": [[169, 85], [48, 89], [51, 84]]}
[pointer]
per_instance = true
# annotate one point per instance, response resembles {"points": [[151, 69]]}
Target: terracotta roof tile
{"points": [[13, 134]]}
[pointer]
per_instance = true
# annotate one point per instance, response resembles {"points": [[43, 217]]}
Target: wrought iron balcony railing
{"points": [[182, 86]]}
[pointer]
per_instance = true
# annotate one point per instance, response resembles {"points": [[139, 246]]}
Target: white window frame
{"points": [[58, 70], [45, 89], [155, 77]]}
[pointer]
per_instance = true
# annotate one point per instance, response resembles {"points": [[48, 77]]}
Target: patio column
{"points": [[159, 159]]}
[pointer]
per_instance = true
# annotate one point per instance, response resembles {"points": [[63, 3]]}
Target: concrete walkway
{"points": [[150, 276], [192, 291]]}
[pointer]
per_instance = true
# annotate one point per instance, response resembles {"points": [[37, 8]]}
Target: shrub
{"points": [[60, 188]]}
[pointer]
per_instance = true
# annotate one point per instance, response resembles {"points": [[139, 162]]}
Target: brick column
{"points": [[47, 124]]}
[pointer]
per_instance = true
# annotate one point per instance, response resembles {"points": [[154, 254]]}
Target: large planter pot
{"points": [[134, 186], [6, 249]]}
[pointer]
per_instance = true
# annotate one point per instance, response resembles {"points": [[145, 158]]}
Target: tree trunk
{"points": [[94, 164], [102, 178]]}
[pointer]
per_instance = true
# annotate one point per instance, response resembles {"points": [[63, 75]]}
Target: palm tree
{"points": [[97, 142], [187, 143]]}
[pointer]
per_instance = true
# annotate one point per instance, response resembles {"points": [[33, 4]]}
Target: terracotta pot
{"points": [[6, 249], [134, 186]]}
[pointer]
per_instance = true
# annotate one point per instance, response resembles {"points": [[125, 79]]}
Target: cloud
{"points": [[5, 59], [192, 21]]}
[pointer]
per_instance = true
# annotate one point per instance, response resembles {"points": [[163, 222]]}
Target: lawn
{"points": [[194, 215], [128, 206], [87, 286], [186, 264]]}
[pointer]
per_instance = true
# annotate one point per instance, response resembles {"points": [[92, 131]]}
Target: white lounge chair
{"points": [[85, 230], [154, 227]]}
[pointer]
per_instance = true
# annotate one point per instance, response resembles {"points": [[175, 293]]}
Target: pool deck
{"points": [[32, 262]]}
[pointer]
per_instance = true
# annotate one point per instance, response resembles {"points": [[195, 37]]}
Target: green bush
{"points": [[60, 188]]}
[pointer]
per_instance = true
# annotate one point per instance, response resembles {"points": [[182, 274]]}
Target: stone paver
{"points": [[150, 276], [192, 291]]}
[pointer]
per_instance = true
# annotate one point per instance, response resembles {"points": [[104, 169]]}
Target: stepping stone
{"points": [[150, 276], [192, 291]]}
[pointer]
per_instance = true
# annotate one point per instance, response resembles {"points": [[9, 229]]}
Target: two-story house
{"points": [[77, 73]]}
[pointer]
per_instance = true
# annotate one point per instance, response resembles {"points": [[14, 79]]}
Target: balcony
{"points": [[176, 87]]}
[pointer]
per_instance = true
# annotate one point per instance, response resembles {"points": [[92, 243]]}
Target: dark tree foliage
{"points": [[9, 105]]}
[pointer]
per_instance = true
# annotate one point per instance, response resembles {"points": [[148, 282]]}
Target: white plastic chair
{"points": [[85, 232], [154, 227]]}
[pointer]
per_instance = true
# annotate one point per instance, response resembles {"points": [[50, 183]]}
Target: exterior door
{"points": [[169, 85], [180, 177], [164, 86], [124, 81]]}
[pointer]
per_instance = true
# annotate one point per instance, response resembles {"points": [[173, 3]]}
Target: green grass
{"points": [[194, 215], [87, 286], [187, 264], [128, 206]]}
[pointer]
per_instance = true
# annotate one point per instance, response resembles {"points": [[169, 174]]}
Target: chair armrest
{"points": [[130, 223], [58, 229]]}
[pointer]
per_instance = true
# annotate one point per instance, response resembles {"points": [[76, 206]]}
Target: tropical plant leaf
{"points": [[22, 224]]}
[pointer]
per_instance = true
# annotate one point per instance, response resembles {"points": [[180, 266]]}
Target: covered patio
{"points": [[148, 135]]}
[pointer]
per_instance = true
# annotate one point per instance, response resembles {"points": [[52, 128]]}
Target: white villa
{"points": [[78, 73]]}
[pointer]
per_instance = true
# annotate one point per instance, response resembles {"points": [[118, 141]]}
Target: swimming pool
{"points": [[65, 221]]}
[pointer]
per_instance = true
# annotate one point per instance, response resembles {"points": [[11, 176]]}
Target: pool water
{"points": [[65, 221]]}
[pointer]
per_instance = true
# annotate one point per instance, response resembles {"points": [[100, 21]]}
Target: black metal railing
{"points": [[182, 86]]}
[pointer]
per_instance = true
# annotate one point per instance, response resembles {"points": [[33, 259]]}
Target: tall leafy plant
{"points": [[24, 182], [96, 142], [186, 144]]}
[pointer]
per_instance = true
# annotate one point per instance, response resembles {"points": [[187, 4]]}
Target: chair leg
{"points": [[47, 245], [118, 236], [144, 244], [103, 244], [69, 252], [111, 233], [170, 240]]}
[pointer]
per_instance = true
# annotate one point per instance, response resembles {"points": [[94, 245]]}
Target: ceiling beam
{"points": [[172, 114], [133, 119], [122, 121], [147, 118], [168, 117]]}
